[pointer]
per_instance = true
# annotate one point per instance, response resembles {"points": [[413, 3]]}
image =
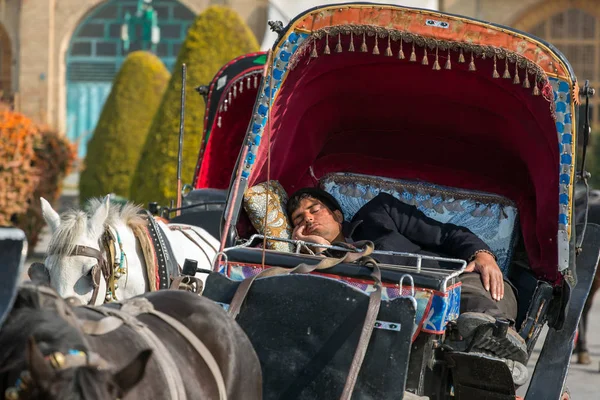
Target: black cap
{"points": [[328, 200]]}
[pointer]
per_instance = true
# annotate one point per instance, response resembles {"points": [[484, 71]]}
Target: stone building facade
{"points": [[50, 49]]}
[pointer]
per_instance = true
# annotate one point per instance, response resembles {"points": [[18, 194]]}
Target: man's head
{"points": [[318, 211]]}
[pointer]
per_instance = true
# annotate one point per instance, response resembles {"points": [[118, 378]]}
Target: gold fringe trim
{"points": [[351, 47], [506, 74], [388, 50], [526, 83], [425, 60], [536, 89], [413, 55], [327, 49], [516, 81], [461, 56], [472, 63], [495, 74], [338, 46], [401, 51], [313, 53], [448, 62], [436, 63], [376, 48], [363, 46]]}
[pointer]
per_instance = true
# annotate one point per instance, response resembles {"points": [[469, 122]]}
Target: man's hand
{"points": [[491, 276], [298, 234]]}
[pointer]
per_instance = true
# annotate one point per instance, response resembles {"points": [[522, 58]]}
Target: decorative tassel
{"points": [[526, 83], [219, 121], [248, 83], [388, 51], [461, 56], [536, 89], [255, 81], [425, 60], [448, 62], [242, 86], [401, 51], [472, 63], [234, 92], [225, 105], [327, 49], [338, 47], [376, 48], [516, 81], [436, 63], [413, 55], [229, 97], [495, 74], [363, 46], [506, 74], [483, 56], [313, 53], [351, 47]]}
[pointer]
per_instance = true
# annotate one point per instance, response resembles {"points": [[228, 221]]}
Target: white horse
{"points": [[72, 275]]}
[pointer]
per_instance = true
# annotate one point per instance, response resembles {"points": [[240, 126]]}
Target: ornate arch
{"points": [[573, 26], [545, 9]]}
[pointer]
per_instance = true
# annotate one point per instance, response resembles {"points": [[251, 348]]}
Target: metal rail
{"points": [[418, 268]]}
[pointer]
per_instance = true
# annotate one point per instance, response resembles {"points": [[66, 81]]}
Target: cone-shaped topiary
{"points": [[114, 150], [217, 36]]}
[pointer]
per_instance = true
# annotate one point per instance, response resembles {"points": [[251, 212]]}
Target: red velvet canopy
{"points": [[371, 114]]}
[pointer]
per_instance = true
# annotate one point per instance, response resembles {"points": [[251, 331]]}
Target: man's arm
{"points": [[386, 213]]}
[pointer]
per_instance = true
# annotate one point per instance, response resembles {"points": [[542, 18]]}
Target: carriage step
{"points": [[479, 376]]}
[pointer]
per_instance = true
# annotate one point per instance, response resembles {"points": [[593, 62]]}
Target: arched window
{"points": [[96, 53], [576, 33]]}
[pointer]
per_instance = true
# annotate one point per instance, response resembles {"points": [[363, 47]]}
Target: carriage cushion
{"points": [[278, 224], [492, 218]]}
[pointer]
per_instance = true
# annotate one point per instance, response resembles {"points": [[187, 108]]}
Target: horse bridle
{"points": [[98, 270]]}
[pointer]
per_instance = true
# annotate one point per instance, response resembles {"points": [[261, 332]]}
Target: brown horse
{"points": [[583, 355], [163, 345]]}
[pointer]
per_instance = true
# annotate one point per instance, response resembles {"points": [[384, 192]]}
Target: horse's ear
{"points": [[40, 370], [52, 218], [100, 215], [132, 373]]}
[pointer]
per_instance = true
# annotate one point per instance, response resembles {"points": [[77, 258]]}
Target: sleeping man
{"points": [[395, 226]]}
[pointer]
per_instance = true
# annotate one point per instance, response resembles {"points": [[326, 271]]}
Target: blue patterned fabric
{"points": [[492, 218]]}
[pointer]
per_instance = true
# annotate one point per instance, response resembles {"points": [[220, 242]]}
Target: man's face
{"points": [[317, 219]]}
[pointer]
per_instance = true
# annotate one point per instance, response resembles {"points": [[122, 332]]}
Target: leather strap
{"points": [[365, 335], [372, 309], [325, 263], [163, 257], [200, 348]]}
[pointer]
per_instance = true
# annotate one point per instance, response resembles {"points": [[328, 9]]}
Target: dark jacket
{"points": [[395, 226]]}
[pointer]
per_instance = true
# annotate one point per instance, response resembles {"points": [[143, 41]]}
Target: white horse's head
{"points": [[71, 275]]}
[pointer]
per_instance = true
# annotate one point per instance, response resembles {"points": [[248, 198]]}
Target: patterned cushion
{"points": [[277, 222], [491, 217]]}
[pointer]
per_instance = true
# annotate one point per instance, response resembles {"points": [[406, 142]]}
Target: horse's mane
{"points": [[74, 223]]}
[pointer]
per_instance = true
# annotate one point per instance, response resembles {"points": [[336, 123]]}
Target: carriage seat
{"points": [[491, 217]]}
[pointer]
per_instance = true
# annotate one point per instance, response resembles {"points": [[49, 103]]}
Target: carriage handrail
{"points": [[419, 257]]}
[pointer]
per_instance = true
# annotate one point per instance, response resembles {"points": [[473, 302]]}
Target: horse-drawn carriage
{"points": [[229, 98], [473, 123]]}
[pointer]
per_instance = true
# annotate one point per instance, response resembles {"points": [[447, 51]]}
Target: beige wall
{"points": [[44, 35]]}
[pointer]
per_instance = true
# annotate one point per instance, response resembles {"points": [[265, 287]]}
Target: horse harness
{"points": [[114, 319], [111, 269]]}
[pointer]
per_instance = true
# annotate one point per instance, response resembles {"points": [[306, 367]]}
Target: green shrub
{"points": [[217, 36], [114, 150]]}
